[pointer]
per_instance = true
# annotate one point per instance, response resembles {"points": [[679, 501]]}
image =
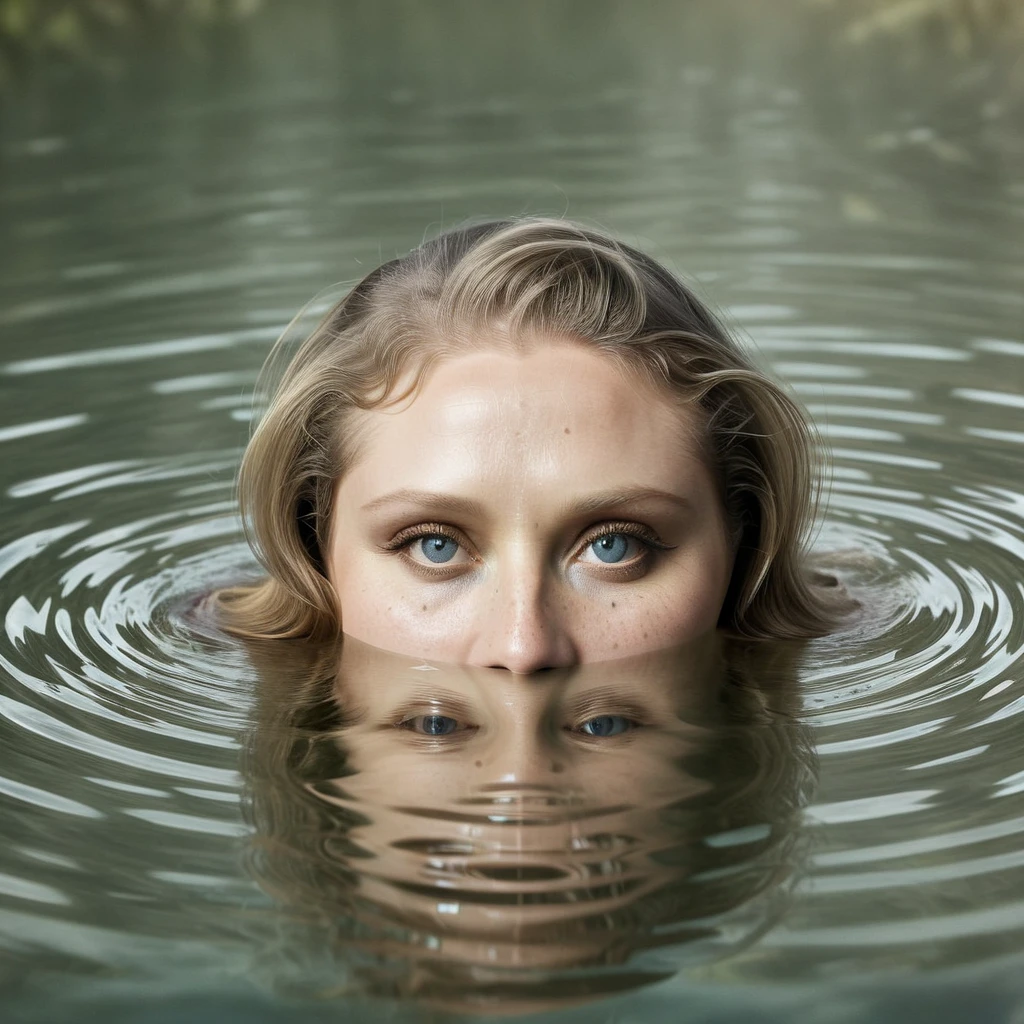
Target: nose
{"points": [[518, 629]]}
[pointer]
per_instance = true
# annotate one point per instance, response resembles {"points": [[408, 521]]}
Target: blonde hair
{"points": [[520, 280]]}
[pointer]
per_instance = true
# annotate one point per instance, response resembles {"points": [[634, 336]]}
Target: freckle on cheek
{"points": [[613, 604], [479, 764], [557, 768], [424, 607]]}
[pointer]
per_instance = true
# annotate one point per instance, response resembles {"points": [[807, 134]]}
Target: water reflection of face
{"points": [[513, 817], [438, 733], [492, 838]]}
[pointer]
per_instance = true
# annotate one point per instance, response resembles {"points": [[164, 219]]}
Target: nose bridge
{"points": [[522, 755], [519, 625]]}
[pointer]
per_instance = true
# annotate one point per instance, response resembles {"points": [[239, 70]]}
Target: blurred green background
{"points": [[97, 33]]}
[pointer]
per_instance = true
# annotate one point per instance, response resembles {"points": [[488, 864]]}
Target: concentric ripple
{"points": [[173, 825], [120, 729], [124, 729]]}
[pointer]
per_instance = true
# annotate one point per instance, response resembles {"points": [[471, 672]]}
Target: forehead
{"points": [[531, 412]]}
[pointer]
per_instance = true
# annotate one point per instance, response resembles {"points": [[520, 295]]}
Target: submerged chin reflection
{"points": [[474, 838]]}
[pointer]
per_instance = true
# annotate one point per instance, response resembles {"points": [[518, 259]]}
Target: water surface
{"points": [[851, 198]]}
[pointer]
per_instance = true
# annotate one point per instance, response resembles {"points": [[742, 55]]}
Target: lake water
{"points": [[849, 191]]}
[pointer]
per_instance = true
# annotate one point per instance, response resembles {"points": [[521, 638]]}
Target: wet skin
{"points": [[529, 510]]}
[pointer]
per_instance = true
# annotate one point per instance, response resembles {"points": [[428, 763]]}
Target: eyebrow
{"points": [[601, 501]]}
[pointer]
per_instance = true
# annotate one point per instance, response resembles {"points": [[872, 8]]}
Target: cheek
{"points": [[380, 606], [681, 605], [424, 780], [638, 623], [650, 768]]}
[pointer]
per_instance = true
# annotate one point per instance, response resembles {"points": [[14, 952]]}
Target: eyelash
{"points": [[407, 723], [642, 533]]}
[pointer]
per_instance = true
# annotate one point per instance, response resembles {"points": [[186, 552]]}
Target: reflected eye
{"points": [[606, 725], [431, 725], [438, 548]]}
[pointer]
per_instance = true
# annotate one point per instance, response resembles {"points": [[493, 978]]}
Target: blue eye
{"points": [[612, 547], [606, 725], [432, 725], [438, 548]]}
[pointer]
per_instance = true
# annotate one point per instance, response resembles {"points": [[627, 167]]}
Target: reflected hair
{"points": [[515, 283]]}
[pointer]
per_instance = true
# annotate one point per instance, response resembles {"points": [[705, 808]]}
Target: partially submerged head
{"points": [[535, 383]]}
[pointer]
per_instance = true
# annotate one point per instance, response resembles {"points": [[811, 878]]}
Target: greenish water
{"points": [[854, 203]]}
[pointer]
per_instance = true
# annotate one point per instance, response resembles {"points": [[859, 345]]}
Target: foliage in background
{"points": [[91, 32], [962, 22], [103, 34], [914, 31]]}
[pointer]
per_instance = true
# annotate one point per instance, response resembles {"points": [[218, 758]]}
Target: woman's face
{"points": [[527, 511]]}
